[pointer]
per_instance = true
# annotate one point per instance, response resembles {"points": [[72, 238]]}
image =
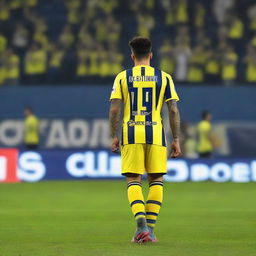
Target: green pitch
{"points": [[93, 218]]}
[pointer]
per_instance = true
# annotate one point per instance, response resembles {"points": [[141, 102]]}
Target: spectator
{"points": [[30, 3], [166, 57], [235, 31], [108, 6], [35, 64], [252, 18], [150, 4], [40, 35], [12, 68], [20, 38], [212, 66], [104, 62], [84, 36], [250, 61], [115, 61], [229, 66], [82, 68], [199, 15], [182, 53], [73, 8], [67, 38], [2, 67], [146, 23], [220, 8], [183, 35], [169, 13], [181, 12], [196, 65], [90, 10], [101, 32], [5, 13], [114, 29], [3, 43], [55, 61], [202, 38]]}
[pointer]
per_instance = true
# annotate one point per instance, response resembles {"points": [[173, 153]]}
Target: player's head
{"points": [[28, 111], [140, 48], [206, 115]]}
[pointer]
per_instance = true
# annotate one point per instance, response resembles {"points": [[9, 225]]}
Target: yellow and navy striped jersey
{"points": [[143, 89]]}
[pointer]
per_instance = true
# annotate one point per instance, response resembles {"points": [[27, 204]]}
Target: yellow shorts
{"points": [[141, 158]]}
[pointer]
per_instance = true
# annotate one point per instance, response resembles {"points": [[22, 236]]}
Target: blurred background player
{"points": [[143, 90], [31, 129], [205, 141]]}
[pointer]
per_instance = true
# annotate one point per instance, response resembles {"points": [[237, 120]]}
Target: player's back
{"points": [[143, 90]]}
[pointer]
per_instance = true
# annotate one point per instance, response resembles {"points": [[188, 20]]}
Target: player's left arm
{"points": [[174, 119], [114, 120], [171, 98]]}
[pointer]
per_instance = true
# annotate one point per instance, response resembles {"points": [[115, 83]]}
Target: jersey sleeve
{"points": [[117, 88], [170, 92]]}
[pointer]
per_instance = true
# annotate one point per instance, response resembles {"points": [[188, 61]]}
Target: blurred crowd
{"points": [[80, 41]]}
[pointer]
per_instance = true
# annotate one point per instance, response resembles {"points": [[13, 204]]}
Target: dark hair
{"points": [[29, 108], [205, 113], [140, 47]]}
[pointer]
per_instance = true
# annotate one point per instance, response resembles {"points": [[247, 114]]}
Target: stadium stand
{"points": [[76, 41]]}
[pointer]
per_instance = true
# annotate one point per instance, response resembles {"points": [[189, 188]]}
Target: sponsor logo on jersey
{"points": [[147, 123], [142, 79]]}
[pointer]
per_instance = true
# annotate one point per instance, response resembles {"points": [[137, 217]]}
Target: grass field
{"points": [[93, 218]]}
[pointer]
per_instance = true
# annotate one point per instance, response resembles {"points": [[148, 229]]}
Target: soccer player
{"points": [[205, 140], [31, 129], [142, 90]]}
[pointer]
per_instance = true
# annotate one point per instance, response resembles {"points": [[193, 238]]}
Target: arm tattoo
{"points": [[114, 116], [174, 118]]}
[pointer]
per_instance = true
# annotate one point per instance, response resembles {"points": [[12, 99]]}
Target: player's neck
{"points": [[142, 62]]}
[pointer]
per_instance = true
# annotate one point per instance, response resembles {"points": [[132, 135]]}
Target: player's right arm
{"points": [[115, 112], [171, 99]]}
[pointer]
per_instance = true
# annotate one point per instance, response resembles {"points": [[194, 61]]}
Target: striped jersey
{"points": [[143, 90]]}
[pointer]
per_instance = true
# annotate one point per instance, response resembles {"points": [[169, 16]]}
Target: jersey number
{"points": [[146, 101]]}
